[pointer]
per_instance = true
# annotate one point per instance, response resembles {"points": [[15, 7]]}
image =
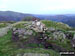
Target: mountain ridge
{"points": [[17, 16]]}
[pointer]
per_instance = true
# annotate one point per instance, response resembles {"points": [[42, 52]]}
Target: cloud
{"points": [[37, 6], [3, 4]]}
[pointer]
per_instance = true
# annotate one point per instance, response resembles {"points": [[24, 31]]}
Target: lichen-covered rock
{"points": [[3, 31], [73, 43], [59, 35], [74, 36], [69, 35], [28, 32], [22, 33], [51, 29]]}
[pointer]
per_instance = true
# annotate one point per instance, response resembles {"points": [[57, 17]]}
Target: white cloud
{"points": [[37, 6], [3, 4], [59, 4]]}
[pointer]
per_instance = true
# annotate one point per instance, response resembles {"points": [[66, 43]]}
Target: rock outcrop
{"points": [[33, 34], [32, 54]]}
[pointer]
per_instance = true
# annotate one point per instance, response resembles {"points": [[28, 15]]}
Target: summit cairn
{"points": [[38, 26]]}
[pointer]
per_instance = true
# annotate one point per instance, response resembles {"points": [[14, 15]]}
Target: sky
{"points": [[39, 6]]}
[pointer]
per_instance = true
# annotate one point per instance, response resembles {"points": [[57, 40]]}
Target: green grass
{"points": [[3, 25], [38, 50], [55, 25], [9, 48], [5, 43], [21, 24], [32, 50], [65, 44]]}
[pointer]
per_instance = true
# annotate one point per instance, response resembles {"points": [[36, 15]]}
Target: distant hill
{"points": [[12, 16], [16, 16]]}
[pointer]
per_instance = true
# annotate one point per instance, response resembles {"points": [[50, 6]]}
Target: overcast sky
{"points": [[39, 6]]}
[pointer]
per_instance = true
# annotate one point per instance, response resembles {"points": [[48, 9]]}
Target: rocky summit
{"points": [[36, 38], [36, 32]]}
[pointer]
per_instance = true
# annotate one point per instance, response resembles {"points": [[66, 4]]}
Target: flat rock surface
{"points": [[33, 54]]}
